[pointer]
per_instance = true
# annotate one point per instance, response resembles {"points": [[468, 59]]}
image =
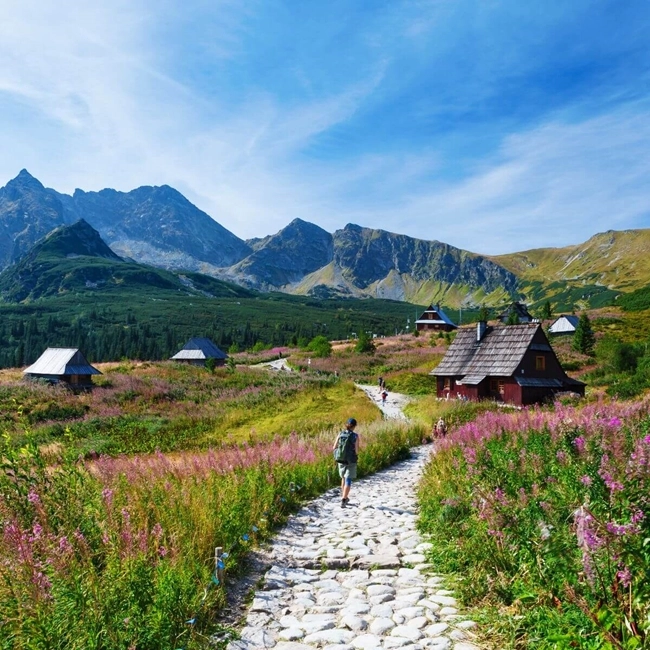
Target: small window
{"points": [[447, 384], [493, 385], [540, 363]]}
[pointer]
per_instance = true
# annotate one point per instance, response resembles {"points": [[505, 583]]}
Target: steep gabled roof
{"points": [[520, 309], [199, 349], [61, 361], [441, 317], [497, 354], [564, 323]]}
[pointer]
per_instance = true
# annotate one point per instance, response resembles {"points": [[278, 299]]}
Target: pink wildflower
{"points": [[625, 576]]}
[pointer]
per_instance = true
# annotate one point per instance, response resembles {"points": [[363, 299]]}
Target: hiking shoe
{"points": [[343, 503], [347, 500]]}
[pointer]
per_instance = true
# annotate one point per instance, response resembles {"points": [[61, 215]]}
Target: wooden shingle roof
{"points": [[497, 354]]}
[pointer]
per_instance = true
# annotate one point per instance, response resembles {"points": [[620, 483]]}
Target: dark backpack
{"points": [[345, 452]]}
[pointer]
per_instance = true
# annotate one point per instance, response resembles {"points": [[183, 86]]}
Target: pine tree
{"points": [[584, 339], [547, 311], [513, 318]]}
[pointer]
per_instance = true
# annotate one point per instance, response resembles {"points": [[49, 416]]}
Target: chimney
{"points": [[481, 326]]}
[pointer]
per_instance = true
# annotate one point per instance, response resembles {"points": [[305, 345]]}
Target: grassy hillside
{"points": [[614, 259]]}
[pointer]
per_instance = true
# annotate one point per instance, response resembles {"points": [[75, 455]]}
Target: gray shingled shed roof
{"points": [[61, 361], [497, 354], [199, 349]]}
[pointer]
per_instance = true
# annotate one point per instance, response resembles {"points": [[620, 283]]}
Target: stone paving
{"points": [[356, 578]]}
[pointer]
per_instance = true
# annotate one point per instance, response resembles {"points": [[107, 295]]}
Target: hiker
{"points": [[381, 384], [384, 395], [440, 429], [346, 453]]}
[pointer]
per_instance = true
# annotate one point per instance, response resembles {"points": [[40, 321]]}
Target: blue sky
{"points": [[492, 125]]}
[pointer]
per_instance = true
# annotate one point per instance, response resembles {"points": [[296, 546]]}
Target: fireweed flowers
{"points": [[123, 548], [551, 501]]}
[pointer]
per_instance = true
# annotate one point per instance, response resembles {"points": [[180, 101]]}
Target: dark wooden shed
{"points": [[513, 364], [434, 318]]}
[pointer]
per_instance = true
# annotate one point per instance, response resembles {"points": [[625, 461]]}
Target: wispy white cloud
{"points": [[412, 119], [553, 185]]}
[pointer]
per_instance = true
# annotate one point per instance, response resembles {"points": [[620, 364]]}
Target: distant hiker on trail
{"points": [[440, 430], [384, 395], [346, 453], [381, 384]]}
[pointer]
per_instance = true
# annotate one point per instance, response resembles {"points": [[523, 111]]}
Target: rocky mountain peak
{"points": [[78, 239]]}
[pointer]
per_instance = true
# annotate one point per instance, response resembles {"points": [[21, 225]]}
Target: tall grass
{"points": [[543, 514], [117, 553]]}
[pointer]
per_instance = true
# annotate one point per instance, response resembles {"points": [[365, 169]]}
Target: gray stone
{"points": [[448, 611], [437, 643], [384, 610], [396, 642], [436, 629], [239, 645], [466, 625], [258, 637], [354, 623], [445, 601], [291, 633], [324, 637], [411, 633], [366, 642], [289, 621], [381, 625], [287, 645], [330, 597], [418, 622], [379, 590], [355, 608], [376, 561]]}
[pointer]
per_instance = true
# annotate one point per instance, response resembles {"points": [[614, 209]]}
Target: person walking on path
{"points": [[384, 395], [440, 429], [346, 454]]}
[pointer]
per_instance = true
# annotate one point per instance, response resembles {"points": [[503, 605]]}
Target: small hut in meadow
{"points": [[198, 350], [62, 365], [564, 324], [433, 318]]}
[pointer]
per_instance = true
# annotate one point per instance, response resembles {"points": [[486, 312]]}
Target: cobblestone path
{"points": [[356, 578]]}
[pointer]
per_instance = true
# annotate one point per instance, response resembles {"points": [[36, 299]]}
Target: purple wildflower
{"points": [[33, 497], [625, 576], [579, 443]]}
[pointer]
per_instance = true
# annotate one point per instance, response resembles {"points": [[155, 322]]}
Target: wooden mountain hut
{"points": [[198, 350], [520, 310], [434, 318], [564, 324], [513, 364], [62, 365]]}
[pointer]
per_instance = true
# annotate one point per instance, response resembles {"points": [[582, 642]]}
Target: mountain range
{"points": [[158, 226]]}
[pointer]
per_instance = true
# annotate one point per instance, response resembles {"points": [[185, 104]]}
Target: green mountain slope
{"points": [[614, 259], [72, 290], [75, 260]]}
